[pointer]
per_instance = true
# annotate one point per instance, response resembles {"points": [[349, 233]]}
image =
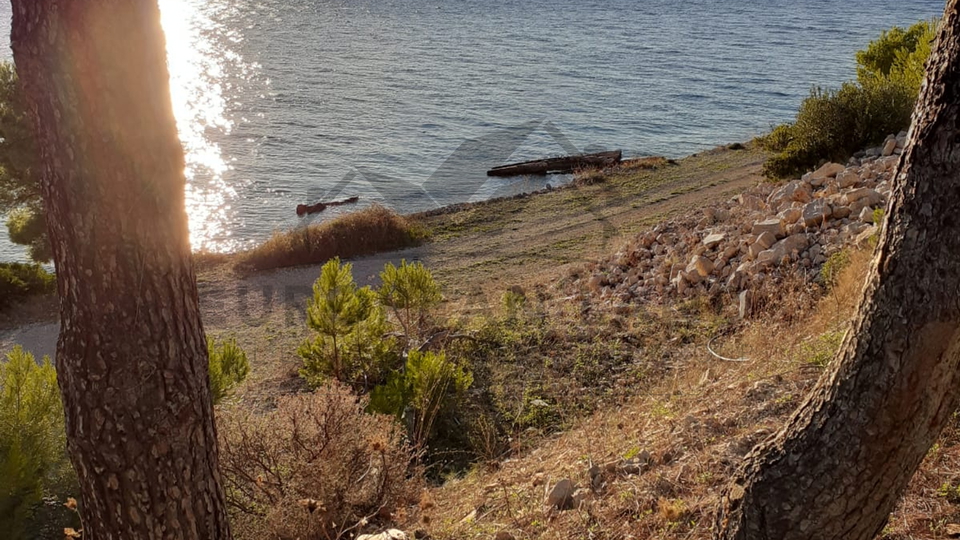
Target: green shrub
{"points": [[33, 461], [831, 270], [778, 138], [350, 345], [228, 367], [428, 386], [410, 292], [19, 170], [19, 280], [896, 50], [833, 124]]}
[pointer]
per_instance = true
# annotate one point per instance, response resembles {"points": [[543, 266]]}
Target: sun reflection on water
{"points": [[196, 71]]}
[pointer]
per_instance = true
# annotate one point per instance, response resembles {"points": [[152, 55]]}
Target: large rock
{"points": [[798, 190], [701, 266], [749, 201], [871, 197], [816, 213], [561, 496], [828, 170], [713, 240], [888, 147], [766, 239], [784, 248], [847, 178], [794, 243], [790, 215], [773, 226]]}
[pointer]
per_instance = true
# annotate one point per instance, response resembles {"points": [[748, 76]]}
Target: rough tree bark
{"points": [[132, 356], [838, 467]]}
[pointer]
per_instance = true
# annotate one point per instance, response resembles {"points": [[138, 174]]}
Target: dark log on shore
{"points": [[565, 164], [303, 209]]}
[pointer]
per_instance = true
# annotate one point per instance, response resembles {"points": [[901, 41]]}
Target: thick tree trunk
{"points": [[839, 466], [132, 357]]}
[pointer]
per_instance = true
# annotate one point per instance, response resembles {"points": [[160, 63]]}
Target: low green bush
{"points": [[410, 292], [19, 281], [33, 462], [350, 344], [833, 124], [228, 367], [428, 386]]}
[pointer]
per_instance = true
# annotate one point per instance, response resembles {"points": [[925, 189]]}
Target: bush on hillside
{"points": [[350, 343], [833, 124], [371, 230], [316, 468], [228, 367], [411, 293], [19, 281], [33, 462], [428, 387], [896, 52]]}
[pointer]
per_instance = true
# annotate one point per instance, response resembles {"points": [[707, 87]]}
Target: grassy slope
{"points": [[696, 424], [493, 245]]}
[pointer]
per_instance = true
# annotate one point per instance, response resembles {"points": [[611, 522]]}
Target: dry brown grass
{"points": [[318, 467], [594, 176], [696, 423], [372, 230]]}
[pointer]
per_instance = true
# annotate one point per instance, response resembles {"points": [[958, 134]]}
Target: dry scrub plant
{"points": [[317, 467]]}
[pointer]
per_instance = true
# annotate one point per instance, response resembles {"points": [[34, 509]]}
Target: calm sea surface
{"points": [[407, 103]]}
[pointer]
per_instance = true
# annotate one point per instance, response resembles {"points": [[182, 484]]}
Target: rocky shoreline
{"points": [[757, 237]]}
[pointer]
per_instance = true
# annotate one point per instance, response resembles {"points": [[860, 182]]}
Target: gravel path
{"points": [[269, 300]]}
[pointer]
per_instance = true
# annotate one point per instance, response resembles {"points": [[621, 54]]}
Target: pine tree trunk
{"points": [[132, 356], [838, 467]]}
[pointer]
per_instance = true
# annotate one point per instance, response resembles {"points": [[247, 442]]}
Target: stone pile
{"points": [[757, 236]]}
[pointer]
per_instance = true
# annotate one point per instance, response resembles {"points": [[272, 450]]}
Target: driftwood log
{"points": [[303, 209], [564, 164]]}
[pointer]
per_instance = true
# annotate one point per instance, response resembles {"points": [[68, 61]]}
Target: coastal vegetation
{"points": [[20, 170], [402, 387], [22, 280], [833, 124], [371, 230]]}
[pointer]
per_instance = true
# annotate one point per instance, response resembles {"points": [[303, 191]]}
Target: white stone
{"points": [[816, 213], [888, 147], [389, 534], [828, 170], [713, 240], [766, 239], [773, 226]]}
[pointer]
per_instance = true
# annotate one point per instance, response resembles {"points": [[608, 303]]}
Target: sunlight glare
{"points": [[199, 107]]}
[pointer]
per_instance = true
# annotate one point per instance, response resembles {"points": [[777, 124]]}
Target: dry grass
{"points": [[594, 176], [696, 424], [372, 230], [318, 467]]}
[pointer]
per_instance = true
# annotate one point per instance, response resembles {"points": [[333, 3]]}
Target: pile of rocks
{"points": [[756, 236]]}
